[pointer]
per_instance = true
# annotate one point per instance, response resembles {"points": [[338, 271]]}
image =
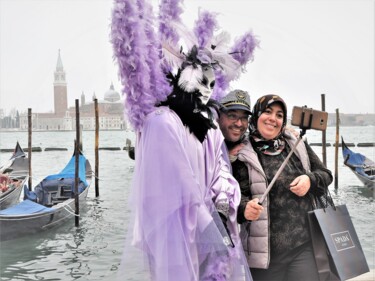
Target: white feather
{"points": [[190, 78], [172, 55], [220, 41], [185, 34], [231, 67]]}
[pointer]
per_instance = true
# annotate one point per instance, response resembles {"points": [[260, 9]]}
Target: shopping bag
{"points": [[324, 263], [338, 252]]}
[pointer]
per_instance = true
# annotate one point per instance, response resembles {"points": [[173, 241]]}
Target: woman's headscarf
{"points": [[276, 145]]}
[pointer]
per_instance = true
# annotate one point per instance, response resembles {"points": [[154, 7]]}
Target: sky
{"points": [[307, 48]]}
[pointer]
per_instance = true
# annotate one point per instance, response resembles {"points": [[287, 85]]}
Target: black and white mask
{"points": [[206, 86], [201, 78]]}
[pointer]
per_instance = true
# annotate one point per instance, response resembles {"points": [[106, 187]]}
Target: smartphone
{"points": [[308, 118]]}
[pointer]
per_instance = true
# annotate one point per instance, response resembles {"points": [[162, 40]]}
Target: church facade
{"points": [[111, 110]]}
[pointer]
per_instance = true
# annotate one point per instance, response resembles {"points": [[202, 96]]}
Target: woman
{"points": [[276, 237]]}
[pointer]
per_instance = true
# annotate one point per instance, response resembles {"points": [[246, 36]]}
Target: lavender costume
{"points": [[180, 182], [177, 182]]}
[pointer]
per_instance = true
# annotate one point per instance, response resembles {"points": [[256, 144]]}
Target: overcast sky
{"points": [[307, 48]]}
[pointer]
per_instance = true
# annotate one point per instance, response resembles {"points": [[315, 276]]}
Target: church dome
{"points": [[111, 95]]}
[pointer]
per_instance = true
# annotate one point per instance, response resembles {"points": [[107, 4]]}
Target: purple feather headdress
{"points": [[144, 57], [205, 27]]}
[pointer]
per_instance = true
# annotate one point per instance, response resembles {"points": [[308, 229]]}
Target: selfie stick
{"points": [[279, 172], [303, 131]]}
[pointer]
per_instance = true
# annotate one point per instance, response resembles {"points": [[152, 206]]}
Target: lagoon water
{"points": [[93, 250]]}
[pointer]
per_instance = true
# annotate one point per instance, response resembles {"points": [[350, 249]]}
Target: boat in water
{"points": [[13, 176], [50, 204], [360, 165]]}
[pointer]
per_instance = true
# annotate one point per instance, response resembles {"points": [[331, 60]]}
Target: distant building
{"points": [[59, 89], [111, 112]]}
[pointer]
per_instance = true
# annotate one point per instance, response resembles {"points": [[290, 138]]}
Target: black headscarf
{"points": [[276, 145]]}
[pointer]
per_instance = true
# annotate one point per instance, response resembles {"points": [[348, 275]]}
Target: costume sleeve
{"points": [[224, 188], [320, 176]]}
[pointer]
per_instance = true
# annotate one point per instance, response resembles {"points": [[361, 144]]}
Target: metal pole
{"points": [[281, 168], [77, 152], [337, 148], [96, 148], [30, 130], [324, 148]]}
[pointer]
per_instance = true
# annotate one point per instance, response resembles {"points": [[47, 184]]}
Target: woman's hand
{"points": [[253, 210], [300, 185]]}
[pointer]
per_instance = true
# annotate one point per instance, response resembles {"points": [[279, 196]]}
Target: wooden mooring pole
{"points": [[80, 138], [324, 149], [337, 148], [30, 130], [76, 176], [96, 174]]}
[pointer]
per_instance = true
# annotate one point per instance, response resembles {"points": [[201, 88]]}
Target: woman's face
{"points": [[270, 122]]}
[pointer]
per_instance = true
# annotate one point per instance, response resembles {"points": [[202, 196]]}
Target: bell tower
{"points": [[60, 89]]}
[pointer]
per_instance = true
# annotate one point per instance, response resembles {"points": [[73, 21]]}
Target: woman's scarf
{"points": [[270, 147], [276, 145]]}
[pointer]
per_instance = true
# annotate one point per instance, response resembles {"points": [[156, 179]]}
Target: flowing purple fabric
{"points": [[175, 233]]}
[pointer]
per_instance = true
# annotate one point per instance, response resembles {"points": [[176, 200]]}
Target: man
{"points": [[234, 122]]}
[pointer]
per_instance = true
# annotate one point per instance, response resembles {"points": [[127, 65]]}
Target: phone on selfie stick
{"points": [[308, 118], [305, 118]]}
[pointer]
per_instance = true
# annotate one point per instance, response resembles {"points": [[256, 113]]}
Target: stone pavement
{"points": [[369, 276]]}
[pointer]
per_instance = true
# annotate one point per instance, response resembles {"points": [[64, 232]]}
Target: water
{"points": [[93, 250]]}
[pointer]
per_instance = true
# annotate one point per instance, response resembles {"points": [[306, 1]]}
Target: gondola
{"points": [[360, 165], [130, 149], [13, 176], [50, 203]]}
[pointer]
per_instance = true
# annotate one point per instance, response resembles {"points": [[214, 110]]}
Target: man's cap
{"points": [[235, 100]]}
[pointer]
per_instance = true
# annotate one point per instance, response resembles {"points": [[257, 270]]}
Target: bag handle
{"points": [[323, 201]]}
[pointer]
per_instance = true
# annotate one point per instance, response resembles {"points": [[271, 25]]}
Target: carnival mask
{"points": [[201, 78], [206, 86]]}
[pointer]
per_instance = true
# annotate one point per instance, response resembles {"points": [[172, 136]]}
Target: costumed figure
{"points": [[183, 200]]}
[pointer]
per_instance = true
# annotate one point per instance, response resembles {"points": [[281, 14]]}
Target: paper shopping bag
{"points": [[338, 252]]}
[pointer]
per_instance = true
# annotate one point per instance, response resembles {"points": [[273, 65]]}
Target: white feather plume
{"points": [[185, 34], [220, 41], [220, 44], [172, 55], [231, 67], [190, 78]]}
